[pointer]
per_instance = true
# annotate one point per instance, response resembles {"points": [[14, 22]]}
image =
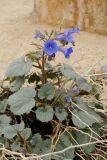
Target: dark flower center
{"points": [[50, 45]]}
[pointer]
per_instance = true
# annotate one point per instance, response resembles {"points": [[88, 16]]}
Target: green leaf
{"points": [[17, 84], [65, 141], [68, 72], [40, 146], [61, 113], [83, 84], [19, 127], [3, 105], [45, 114], [45, 148], [96, 130], [15, 146], [36, 139], [26, 133], [4, 142], [4, 122], [83, 139], [85, 116], [47, 91], [10, 131], [19, 67], [22, 101]]}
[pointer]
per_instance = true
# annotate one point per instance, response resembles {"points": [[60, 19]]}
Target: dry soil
{"points": [[17, 30]]}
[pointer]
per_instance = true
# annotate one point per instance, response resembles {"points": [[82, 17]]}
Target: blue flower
{"points": [[67, 36], [68, 99], [74, 30], [39, 35], [50, 47], [67, 51]]}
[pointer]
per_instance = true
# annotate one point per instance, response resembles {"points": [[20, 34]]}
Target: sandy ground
{"points": [[17, 29]]}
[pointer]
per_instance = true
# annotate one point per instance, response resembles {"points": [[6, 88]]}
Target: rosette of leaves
{"points": [[33, 104]]}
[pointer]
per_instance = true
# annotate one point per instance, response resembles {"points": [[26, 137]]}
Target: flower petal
{"points": [[74, 30], [68, 99], [67, 51], [60, 37], [50, 47]]}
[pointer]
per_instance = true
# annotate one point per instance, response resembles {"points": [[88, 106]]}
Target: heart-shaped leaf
{"points": [[47, 91], [45, 114], [61, 113], [11, 130], [68, 72], [19, 67], [22, 101]]}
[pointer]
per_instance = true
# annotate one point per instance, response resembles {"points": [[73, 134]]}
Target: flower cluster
{"points": [[51, 47]]}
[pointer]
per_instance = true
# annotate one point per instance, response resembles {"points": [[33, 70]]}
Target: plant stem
{"points": [[36, 66], [43, 70]]}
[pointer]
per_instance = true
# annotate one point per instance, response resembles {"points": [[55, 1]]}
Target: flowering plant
{"points": [[50, 112]]}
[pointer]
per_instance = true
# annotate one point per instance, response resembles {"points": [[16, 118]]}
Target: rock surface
{"points": [[90, 15]]}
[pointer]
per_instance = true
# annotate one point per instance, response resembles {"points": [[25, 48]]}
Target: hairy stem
{"points": [[43, 70]]}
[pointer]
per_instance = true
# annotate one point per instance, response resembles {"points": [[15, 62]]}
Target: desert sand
{"points": [[17, 30]]}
